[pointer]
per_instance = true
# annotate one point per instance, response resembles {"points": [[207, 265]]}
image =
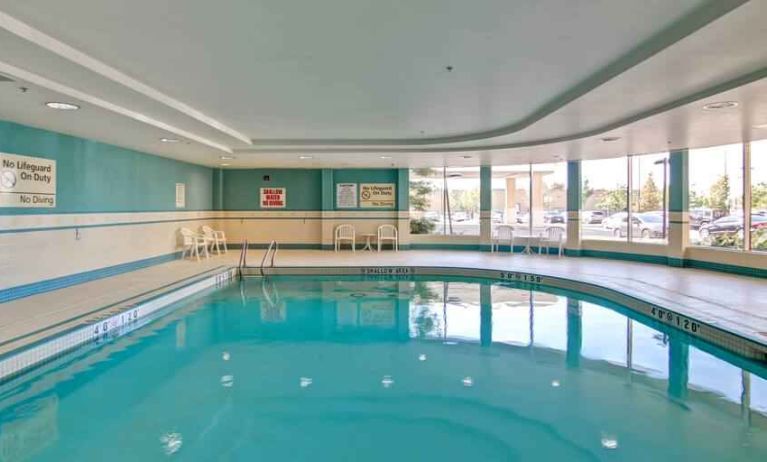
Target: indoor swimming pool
{"points": [[389, 368]]}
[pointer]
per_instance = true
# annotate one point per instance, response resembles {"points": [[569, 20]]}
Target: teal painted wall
{"points": [[574, 186], [362, 175], [485, 188], [241, 188], [218, 189], [307, 189], [403, 190], [98, 177], [679, 191], [328, 190]]}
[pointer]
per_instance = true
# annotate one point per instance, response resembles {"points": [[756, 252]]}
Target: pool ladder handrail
{"points": [[274, 246], [243, 256]]}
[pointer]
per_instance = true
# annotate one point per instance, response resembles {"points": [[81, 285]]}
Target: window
{"points": [[605, 199], [511, 198], [444, 201], [759, 196], [531, 198], [716, 196], [649, 198], [550, 186]]}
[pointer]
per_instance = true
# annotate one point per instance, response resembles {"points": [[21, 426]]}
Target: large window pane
{"points": [[605, 199], [716, 196], [550, 186], [530, 203], [444, 201], [759, 196], [649, 198], [511, 198]]}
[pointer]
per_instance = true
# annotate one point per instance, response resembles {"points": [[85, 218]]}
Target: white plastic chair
{"points": [[503, 233], [388, 233], [344, 233], [214, 238], [554, 235], [193, 243]]}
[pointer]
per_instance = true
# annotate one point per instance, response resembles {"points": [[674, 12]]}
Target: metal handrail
{"points": [[243, 254], [243, 257], [276, 247]]}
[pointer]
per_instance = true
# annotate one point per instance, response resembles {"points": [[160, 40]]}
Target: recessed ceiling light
{"points": [[169, 140], [608, 139], [62, 106], [385, 157], [225, 165], [226, 157], [305, 157], [720, 105]]}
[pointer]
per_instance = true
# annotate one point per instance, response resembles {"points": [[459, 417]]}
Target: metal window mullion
{"points": [[747, 196], [629, 210], [530, 202]]}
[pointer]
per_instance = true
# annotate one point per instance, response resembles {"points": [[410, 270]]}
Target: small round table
{"points": [[368, 241], [533, 241]]}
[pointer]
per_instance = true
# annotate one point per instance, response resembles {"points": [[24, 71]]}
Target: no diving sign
{"points": [[27, 181]]}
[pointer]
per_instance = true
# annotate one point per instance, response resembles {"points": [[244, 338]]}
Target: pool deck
{"points": [[734, 303]]}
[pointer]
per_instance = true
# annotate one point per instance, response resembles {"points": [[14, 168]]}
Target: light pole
{"points": [[664, 161]]}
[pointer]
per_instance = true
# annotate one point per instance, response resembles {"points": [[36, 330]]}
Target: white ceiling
{"points": [[351, 81]]}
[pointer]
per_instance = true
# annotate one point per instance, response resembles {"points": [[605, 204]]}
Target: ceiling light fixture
{"points": [[720, 105], [225, 165], [385, 157], [62, 106], [226, 157], [608, 139], [305, 157], [169, 140]]}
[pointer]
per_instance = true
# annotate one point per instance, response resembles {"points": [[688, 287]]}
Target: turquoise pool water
{"points": [[332, 369]]}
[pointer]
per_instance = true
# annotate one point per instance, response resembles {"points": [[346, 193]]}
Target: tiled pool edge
{"points": [[739, 343], [113, 320], [124, 317]]}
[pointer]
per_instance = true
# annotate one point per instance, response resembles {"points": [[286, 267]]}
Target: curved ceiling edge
{"points": [[691, 98], [667, 37]]}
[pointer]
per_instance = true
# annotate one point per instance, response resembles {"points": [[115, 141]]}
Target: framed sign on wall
{"points": [[27, 181], [378, 195], [273, 198], [180, 195], [346, 195]]}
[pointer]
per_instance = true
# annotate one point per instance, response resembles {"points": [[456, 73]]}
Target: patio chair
{"points": [[555, 236], [344, 233], [388, 233], [215, 238], [503, 233], [192, 243]]}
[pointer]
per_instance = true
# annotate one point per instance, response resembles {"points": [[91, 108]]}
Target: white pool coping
{"points": [[727, 310]]}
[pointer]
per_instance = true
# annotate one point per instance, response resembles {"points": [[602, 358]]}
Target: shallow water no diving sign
{"points": [[272, 198], [27, 181]]}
